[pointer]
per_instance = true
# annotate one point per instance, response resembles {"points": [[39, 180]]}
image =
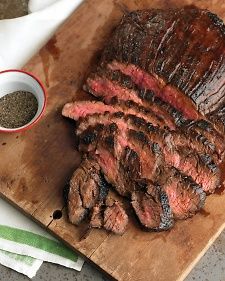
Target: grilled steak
{"points": [[108, 84], [180, 51], [115, 219], [157, 135], [184, 195], [88, 193]]}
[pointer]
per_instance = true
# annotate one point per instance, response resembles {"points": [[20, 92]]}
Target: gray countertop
{"points": [[210, 268]]}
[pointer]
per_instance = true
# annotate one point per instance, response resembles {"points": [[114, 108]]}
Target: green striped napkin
{"points": [[21, 236]]}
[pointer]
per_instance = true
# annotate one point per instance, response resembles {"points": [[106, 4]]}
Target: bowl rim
{"points": [[25, 127]]}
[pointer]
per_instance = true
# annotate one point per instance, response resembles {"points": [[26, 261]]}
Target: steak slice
{"points": [[76, 110], [179, 189], [198, 166], [111, 150], [82, 109], [152, 208], [170, 45], [172, 140], [185, 196], [115, 219], [148, 96], [109, 84], [89, 193], [169, 141], [171, 117], [96, 220], [110, 214], [201, 168], [87, 187]]}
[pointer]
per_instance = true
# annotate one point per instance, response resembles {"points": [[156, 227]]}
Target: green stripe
{"points": [[24, 259], [36, 241]]}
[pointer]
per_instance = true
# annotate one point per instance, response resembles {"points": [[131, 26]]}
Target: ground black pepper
{"points": [[17, 109]]}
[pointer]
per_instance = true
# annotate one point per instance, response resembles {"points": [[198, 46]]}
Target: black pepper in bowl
{"points": [[17, 109]]}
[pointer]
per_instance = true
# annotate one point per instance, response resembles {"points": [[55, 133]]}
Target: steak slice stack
{"points": [[154, 139], [88, 196]]}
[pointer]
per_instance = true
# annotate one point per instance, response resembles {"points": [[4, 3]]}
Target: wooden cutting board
{"points": [[36, 164]]}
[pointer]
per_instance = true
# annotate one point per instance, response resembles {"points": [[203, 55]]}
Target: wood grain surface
{"points": [[35, 165]]}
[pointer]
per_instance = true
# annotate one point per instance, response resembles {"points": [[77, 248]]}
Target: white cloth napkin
{"points": [[37, 5], [20, 39], [22, 264]]}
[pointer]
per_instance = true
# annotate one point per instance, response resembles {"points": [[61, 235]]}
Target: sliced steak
{"points": [[148, 97], [170, 115], [115, 219], [110, 214], [169, 140], [87, 187], [182, 48], [110, 84], [185, 196], [110, 152], [197, 136], [82, 109], [107, 148], [152, 208], [199, 166]]}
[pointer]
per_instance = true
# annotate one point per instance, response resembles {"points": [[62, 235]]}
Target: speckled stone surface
{"points": [[210, 268]]}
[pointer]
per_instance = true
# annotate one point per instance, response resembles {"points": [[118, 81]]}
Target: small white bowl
{"points": [[17, 80]]}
